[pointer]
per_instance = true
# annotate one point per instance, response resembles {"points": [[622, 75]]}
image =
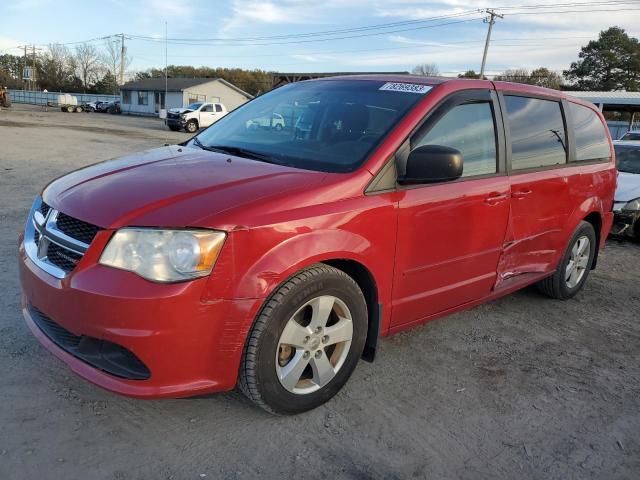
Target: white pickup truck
{"points": [[195, 116]]}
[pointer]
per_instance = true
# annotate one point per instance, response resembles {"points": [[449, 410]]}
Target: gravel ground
{"points": [[522, 387]]}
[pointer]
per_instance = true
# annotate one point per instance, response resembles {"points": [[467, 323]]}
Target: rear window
{"points": [[538, 136], [591, 139]]}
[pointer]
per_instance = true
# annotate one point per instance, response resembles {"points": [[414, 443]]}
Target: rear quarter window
{"points": [[591, 139], [538, 137]]}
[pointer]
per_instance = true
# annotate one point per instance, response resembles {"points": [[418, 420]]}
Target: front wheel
{"points": [[306, 341], [191, 126], [573, 269]]}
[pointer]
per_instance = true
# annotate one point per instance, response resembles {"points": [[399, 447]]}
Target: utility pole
{"points": [[490, 20], [123, 51], [166, 66], [25, 67], [33, 54]]}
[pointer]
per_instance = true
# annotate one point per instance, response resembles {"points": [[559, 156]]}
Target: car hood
{"points": [[628, 187], [180, 110], [171, 186]]}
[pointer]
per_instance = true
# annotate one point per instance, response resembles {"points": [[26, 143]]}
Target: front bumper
{"points": [[175, 122], [189, 346], [626, 223]]}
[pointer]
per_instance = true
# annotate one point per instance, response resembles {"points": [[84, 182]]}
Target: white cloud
{"points": [[170, 9], [7, 45]]}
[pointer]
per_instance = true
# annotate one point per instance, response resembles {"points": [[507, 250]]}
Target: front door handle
{"points": [[496, 198], [521, 193]]}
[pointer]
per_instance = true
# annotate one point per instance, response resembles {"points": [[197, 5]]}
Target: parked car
{"points": [[626, 207], [195, 116], [275, 262], [102, 107], [275, 121], [114, 107], [91, 106], [631, 135]]}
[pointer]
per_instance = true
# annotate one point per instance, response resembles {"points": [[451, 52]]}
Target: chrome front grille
{"points": [[55, 241]]}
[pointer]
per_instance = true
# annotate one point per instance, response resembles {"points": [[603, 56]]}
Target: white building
{"points": [[146, 96]]}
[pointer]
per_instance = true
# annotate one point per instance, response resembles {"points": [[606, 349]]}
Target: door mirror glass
{"points": [[432, 164]]}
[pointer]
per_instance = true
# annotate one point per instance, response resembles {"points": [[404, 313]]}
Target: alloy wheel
{"points": [[578, 261], [314, 345]]}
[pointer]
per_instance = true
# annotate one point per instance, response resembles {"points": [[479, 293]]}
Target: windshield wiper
{"points": [[197, 142], [244, 152], [237, 151]]}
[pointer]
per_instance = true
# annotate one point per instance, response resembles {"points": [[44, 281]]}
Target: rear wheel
{"points": [[69, 108], [78, 109], [191, 126], [306, 341], [573, 270]]}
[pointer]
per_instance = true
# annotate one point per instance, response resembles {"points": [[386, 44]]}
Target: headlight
{"points": [[164, 255], [633, 205]]}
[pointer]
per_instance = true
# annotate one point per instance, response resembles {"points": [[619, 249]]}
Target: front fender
{"points": [[297, 253]]}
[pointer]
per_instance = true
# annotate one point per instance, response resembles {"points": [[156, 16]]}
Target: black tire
{"points": [[70, 109], [191, 126], [278, 127], [555, 286], [258, 379], [173, 128]]}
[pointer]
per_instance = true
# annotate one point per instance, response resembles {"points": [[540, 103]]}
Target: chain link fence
{"points": [[42, 98]]}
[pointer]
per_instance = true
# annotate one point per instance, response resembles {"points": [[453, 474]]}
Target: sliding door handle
{"points": [[496, 198], [521, 193]]}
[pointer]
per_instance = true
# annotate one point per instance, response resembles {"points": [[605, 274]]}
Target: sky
{"points": [[232, 33]]}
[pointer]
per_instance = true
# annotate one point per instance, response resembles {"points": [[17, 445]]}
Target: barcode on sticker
{"points": [[405, 87]]}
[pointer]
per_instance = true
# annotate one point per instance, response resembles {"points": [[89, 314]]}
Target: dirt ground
{"points": [[522, 387]]}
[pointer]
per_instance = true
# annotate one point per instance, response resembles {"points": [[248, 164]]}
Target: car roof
{"points": [[460, 83]]}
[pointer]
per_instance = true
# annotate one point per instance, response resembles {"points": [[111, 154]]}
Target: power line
{"points": [[317, 39], [314, 34]]}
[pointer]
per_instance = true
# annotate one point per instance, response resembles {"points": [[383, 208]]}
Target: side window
{"points": [[538, 137], [218, 107], [591, 139], [470, 129], [143, 98], [207, 108]]}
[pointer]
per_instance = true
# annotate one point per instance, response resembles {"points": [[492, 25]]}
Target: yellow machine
{"points": [[5, 99]]}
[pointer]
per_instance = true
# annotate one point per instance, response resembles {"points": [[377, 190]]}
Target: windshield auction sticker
{"points": [[405, 87]]}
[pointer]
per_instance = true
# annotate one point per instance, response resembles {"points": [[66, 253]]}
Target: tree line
{"points": [[83, 69], [612, 62]]}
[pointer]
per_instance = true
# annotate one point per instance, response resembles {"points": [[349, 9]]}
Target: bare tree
{"points": [[112, 57], [56, 68], [542, 77], [88, 64], [426, 70], [517, 75]]}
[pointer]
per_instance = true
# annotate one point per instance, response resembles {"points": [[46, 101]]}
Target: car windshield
{"points": [[327, 125], [631, 136], [194, 106], [628, 158]]}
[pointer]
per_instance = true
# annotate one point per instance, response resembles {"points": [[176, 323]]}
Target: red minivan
{"points": [[274, 258]]}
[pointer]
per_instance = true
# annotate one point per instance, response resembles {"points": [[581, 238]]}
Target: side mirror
{"points": [[432, 164]]}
